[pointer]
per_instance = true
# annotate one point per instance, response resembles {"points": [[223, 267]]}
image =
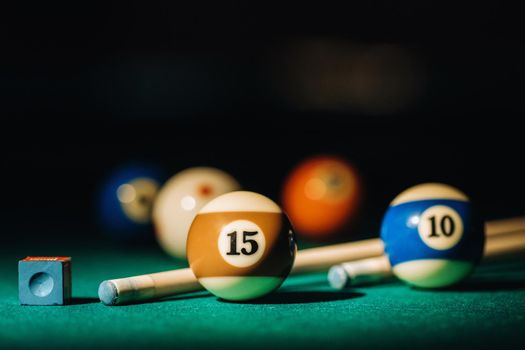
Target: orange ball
{"points": [[321, 195]]}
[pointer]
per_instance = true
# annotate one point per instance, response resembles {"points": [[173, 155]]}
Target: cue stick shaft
{"points": [[319, 259], [504, 245], [375, 269], [169, 283], [502, 226], [149, 286]]}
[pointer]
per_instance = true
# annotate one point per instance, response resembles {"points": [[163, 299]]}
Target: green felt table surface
{"points": [[488, 311]]}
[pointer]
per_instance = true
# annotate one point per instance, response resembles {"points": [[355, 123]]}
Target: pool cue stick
{"points": [[146, 287], [320, 259], [503, 226], [162, 284], [504, 245], [373, 270], [169, 283]]}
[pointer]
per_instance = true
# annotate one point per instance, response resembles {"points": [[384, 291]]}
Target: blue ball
{"points": [[432, 235], [125, 201]]}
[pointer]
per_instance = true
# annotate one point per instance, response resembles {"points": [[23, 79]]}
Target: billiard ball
{"points": [[321, 195], [125, 200], [181, 198], [241, 246], [432, 235]]}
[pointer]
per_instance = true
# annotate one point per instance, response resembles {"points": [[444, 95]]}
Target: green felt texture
{"points": [[486, 312]]}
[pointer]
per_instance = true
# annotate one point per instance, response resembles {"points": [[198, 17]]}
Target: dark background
{"points": [[408, 92]]}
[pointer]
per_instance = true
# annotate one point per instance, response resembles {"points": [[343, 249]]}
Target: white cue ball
{"points": [[179, 201]]}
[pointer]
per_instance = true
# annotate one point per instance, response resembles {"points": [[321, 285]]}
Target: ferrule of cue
{"points": [[170, 283]]}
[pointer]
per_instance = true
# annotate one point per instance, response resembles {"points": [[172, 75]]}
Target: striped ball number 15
{"points": [[241, 243], [440, 227]]}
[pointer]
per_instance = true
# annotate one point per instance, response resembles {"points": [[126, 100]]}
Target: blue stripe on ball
{"points": [[403, 243]]}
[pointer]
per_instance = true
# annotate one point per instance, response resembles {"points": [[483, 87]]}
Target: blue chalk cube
{"points": [[44, 280]]}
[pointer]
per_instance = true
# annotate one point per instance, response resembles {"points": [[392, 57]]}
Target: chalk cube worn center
{"points": [[44, 280]]}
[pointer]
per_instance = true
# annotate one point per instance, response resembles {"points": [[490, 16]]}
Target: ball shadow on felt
{"points": [[300, 297]]}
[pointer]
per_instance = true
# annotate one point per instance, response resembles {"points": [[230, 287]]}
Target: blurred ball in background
{"points": [[336, 75], [126, 199], [181, 198], [321, 195]]}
